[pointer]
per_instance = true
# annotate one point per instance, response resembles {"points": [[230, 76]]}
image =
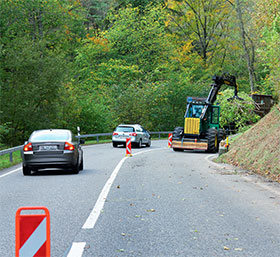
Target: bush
{"points": [[238, 112]]}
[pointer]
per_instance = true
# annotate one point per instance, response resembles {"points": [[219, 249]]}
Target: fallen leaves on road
{"points": [[151, 210], [226, 248]]}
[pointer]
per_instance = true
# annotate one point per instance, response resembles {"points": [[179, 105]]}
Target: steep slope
{"points": [[258, 149]]}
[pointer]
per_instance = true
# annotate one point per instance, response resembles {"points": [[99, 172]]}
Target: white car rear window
{"points": [[125, 129], [54, 135]]}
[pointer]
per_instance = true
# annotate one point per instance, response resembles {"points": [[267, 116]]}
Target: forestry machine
{"points": [[201, 130]]}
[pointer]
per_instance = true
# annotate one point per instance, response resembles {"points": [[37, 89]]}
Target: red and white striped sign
{"points": [[32, 233], [169, 139], [128, 147]]}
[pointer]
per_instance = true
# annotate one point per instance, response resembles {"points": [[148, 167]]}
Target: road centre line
{"points": [[78, 247], [8, 173], [91, 220]]}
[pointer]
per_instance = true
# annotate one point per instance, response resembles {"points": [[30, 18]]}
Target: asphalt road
{"points": [[156, 203]]}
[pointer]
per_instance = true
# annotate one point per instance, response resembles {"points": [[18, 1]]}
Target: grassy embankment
{"points": [[258, 149], [5, 160]]}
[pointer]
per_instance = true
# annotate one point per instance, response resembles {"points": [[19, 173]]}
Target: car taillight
{"points": [[28, 147], [133, 134], [115, 134], [69, 146]]}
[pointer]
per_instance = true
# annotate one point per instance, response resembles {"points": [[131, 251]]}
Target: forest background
{"points": [[98, 63]]}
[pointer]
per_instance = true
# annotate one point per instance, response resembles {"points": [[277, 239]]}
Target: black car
{"points": [[52, 148]]}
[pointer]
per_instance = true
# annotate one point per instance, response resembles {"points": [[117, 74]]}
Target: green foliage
{"points": [[4, 131], [136, 3], [95, 64], [237, 112], [133, 70], [139, 37], [34, 66]]}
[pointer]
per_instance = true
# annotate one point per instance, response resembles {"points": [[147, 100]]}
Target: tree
{"points": [[133, 69], [247, 42], [96, 12], [34, 65], [267, 23], [202, 23]]}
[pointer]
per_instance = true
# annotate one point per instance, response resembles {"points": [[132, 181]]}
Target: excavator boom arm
{"points": [[216, 86]]}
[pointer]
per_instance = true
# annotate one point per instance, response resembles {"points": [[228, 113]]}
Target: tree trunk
{"points": [[250, 59]]}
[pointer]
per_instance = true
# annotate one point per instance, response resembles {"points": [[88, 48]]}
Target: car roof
{"points": [[52, 130], [129, 125]]}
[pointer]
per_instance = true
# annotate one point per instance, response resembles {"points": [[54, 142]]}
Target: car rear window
{"points": [[53, 135], [125, 129]]}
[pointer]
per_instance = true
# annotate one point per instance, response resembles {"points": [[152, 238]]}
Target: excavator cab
{"points": [[195, 125]]}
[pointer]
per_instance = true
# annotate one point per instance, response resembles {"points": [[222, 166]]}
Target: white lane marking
{"points": [[8, 173], [210, 161], [91, 220], [77, 249], [146, 151]]}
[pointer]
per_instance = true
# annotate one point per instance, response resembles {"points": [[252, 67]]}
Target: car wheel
{"points": [[115, 144], [26, 171], [81, 167], [140, 143], [178, 149], [75, 168], [212, 136], [149, 143]]}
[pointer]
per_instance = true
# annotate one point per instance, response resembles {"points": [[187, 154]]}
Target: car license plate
{"points": [[47, 147]]}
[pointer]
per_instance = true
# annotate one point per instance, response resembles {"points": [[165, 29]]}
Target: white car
{"points": [[139, 136]]}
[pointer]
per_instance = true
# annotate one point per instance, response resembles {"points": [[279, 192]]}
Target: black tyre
{"points": [[26, 170], [178, 129], [115, 144], [149, 143], [178, 133], [178, 149], [212, 137], [140, 143], [75, 168], [81, 167], [221, 135]]}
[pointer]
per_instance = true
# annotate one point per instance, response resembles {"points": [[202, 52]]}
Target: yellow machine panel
{"points": [[192, 126], [190, 145]]}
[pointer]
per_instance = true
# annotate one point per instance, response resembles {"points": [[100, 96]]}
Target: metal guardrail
{"points": [[14, 149], [10, 151], [95, 135], [110, 134]]}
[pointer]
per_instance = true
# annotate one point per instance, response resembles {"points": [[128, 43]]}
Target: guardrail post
{"points": [[11, 157], [97, 139]]}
